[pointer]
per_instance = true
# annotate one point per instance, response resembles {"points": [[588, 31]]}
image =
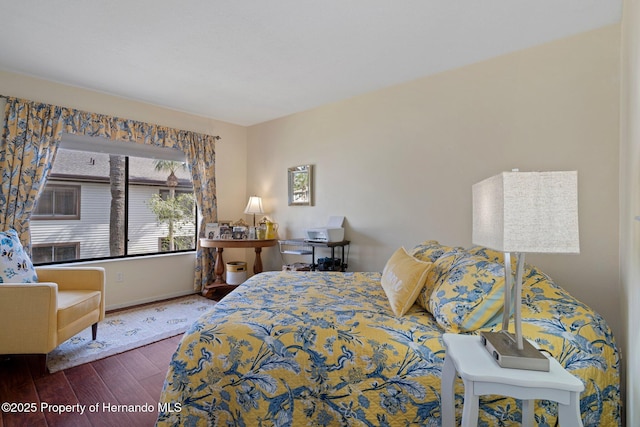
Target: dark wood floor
{"points": [[130, 378]]}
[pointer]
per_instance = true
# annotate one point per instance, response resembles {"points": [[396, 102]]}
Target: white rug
{"points": [[127, 329]]}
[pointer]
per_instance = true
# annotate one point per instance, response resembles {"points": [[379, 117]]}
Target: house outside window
{"points": [[106, 201]]}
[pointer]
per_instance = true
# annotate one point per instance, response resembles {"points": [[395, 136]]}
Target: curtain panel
{"points": [[202, 163], [30, 138], [32, 133]]}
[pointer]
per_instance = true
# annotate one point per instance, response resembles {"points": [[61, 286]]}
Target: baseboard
{"points": [[149, 300]]}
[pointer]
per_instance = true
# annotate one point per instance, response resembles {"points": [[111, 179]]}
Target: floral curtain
{"points": [[33, 131], [30, 138], [201, 154], [123, 130]]}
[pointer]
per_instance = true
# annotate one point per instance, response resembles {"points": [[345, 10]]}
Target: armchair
{"points": [[37, 317]]}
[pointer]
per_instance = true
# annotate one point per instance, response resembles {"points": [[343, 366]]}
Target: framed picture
{"points": [[226, 232], [240, 232], [211, 230], [301, 185]]}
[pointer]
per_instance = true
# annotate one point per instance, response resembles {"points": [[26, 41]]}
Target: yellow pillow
{"points": [[402, 279]]}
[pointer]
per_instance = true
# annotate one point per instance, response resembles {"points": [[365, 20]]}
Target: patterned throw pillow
{"points": [[15, 265], [493, 255], [429, 250], [470, 296], [402, 278], [441, 267]]}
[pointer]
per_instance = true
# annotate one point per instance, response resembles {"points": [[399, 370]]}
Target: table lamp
{"points": [[254, 206], [519, 212]]}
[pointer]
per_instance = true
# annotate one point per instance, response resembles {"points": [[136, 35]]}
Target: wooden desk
{"points": [[219, 244]]}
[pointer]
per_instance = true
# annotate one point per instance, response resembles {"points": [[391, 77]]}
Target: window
{"points": [[117, 204], [58, 202], [55, 253]]}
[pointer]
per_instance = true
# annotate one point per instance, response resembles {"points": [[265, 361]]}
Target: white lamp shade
{"points": [[527, 212], [254, 206]]}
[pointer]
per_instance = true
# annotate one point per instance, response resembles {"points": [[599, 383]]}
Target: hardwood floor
{"points": [[131, 378]]}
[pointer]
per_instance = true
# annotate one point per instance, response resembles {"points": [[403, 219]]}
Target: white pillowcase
{"points": [[15, 265]]}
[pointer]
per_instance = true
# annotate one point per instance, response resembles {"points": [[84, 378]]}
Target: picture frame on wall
{"points": [[300, 185]]}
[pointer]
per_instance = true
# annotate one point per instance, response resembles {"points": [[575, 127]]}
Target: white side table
{"points": [[482, 375]]}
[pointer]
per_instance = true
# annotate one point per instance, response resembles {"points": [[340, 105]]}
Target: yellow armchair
{"points": [[38, 317]]}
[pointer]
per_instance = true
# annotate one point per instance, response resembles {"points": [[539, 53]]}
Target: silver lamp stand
{"points": [[509, 350]]}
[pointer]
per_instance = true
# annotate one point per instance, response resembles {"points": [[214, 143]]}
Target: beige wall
{"points": [[399, 163], [630, 204], [152, 278]]}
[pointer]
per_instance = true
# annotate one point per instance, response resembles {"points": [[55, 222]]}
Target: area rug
{"points": [[124, 330]]}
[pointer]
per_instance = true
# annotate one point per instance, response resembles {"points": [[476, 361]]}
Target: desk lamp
{"points": [[519, 212], [254, 206]]}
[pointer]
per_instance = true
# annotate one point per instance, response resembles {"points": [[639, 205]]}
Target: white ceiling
{"points": [[249, 61]]}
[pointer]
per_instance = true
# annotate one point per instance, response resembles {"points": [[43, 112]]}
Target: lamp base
{"points": [[503, 347]]}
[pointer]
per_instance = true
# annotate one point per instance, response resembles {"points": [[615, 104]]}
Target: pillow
{"points": [[15, 265], [470, 296], [493, 255], [429, 250], [440, 268], [402, 278]]}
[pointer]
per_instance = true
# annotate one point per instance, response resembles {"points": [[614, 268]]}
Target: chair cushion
{"points": [[15, 265], [73, 305]]}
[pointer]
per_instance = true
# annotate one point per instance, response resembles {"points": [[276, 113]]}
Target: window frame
{"points": [[53, 216], [100, 145], [53, 246]]}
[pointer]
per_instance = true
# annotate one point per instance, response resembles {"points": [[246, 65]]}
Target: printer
{"points": [[332, 232]]}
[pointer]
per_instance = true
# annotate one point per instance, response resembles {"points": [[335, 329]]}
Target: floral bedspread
{"points": [[324, 349]]}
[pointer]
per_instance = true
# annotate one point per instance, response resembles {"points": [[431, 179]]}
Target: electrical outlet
{"points": [[119, 276]]}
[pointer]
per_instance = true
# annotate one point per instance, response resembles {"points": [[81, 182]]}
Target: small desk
{"points": [[219, 244], [302, 243], [482, 375]]}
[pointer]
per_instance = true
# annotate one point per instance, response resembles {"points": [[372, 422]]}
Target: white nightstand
{"points": [[481, 375]]}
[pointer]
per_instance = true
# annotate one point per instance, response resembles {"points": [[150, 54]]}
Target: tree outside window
{"points": [[176, 211]]}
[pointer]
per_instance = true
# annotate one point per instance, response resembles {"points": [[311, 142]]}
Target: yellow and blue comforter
{"points": [[324, 349]]}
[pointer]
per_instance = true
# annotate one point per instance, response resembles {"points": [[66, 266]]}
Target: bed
{"points": [[328, 348]]}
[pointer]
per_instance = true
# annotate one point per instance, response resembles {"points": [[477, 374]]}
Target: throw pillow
{"points": [[493, 255], [15, 265], [440, 268], [429, 250], [470, 296], [402, 278]]}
